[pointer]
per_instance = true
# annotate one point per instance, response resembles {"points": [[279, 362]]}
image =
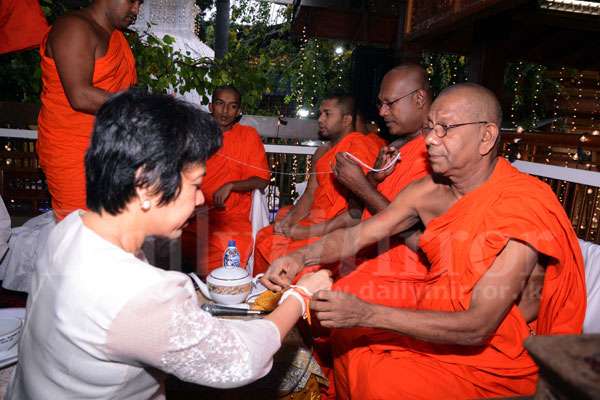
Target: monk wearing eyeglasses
{"points": [[504, 264]]}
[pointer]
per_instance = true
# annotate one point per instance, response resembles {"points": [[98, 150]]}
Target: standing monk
{"points": [[85, 58], [505, 264], [324, 197], [232, 173]]}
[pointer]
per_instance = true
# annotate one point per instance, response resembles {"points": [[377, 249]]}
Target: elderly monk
{"points": [[232, 173], [22, 25], [505, 264], [324, 197], [85, 58]]}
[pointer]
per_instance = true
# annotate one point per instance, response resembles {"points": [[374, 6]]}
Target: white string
{"points": [[385, 167], [346, 154]]}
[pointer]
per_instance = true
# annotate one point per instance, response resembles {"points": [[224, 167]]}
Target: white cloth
{"points": [[176, 18], [259, 217], [591, 257], [100, 323], [25, 244], [4, 230]]}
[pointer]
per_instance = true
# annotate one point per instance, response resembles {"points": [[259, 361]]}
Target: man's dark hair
{"points": [[227, 87], [348, 105], [145, 140]]}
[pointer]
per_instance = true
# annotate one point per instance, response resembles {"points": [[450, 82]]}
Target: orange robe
{"points": [[64, 134], [461, 245], [242, 156], [394, 275], [22, 25], [329, 200]]}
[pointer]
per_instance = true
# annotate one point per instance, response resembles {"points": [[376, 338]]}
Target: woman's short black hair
{"points": [[145, 140]]}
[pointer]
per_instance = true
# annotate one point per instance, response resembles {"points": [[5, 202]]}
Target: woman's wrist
{"points": [[302, 296]]}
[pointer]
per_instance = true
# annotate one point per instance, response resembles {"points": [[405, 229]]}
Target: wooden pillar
{"points": [[487, 60]]}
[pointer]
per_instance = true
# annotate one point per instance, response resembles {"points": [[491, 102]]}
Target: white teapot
{"points": [[226, 285]]}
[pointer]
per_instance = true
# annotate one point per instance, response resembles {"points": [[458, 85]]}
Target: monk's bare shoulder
{"points": [[321, 151], [74, 30]]}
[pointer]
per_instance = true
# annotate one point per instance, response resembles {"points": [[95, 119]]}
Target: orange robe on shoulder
{"points": [[461, 246], [329, 200], [64, 134], [22, 25], [242, 156]]}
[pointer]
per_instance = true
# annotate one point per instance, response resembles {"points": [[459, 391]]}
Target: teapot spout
{"points": [[199, 285]]}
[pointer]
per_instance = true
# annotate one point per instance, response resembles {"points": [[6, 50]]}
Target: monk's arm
{"points": [[398, 217], [371, 197], [493, 296], [73, 45], [340, 221], [247, 185]]}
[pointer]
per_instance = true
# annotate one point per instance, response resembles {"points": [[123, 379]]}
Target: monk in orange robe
{"points": [[232, 174], [85, 58], [324, 198], [505, 264], [22, 25], [391, 274]]}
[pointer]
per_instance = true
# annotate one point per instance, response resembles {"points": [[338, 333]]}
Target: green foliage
{"points": [[444, 70]]}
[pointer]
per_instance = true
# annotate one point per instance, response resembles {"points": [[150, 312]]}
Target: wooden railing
{"points": [[576, 189]]}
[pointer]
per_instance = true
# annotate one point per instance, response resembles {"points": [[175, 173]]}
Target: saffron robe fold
{"points": [[64, 134], [329, 200], [241, 157], [461, 246], [22, 25]]}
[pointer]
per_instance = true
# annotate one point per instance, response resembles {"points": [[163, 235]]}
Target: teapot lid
{"points": [[229, 273]]}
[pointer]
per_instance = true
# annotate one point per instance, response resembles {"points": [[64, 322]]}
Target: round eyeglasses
{"points": [[445, 128]]}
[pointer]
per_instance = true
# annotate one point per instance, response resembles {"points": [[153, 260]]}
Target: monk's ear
{"points": [[489, 138], [420, 98], [210, 107], [347, 120]]}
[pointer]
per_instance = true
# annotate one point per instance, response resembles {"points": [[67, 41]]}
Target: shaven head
{"points": [[463, 135], [412, 74], [345, 102], [404, 99], [481, 104]]}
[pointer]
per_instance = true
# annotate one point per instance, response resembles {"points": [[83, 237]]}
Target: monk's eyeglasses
{"points": [[389, 104], [445, 128]]}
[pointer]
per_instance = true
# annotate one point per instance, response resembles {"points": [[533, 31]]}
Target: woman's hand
{"points": [[320, 280]]}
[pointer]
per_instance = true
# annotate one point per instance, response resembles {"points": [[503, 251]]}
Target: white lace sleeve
{"points": [[164, 327]]}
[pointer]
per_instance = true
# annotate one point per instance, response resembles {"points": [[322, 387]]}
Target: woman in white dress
{"points": [[101, 322]]}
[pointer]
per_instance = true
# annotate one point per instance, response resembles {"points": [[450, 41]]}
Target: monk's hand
{"points": [[386, 154], [282, 226], [348, 172], [336, 309], [320, 280], [281, 272], [221, 195], [298, 232]]}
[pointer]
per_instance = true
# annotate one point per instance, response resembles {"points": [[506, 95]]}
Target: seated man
{"points": [[232, 173], [323, 198], [505, 264]]}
